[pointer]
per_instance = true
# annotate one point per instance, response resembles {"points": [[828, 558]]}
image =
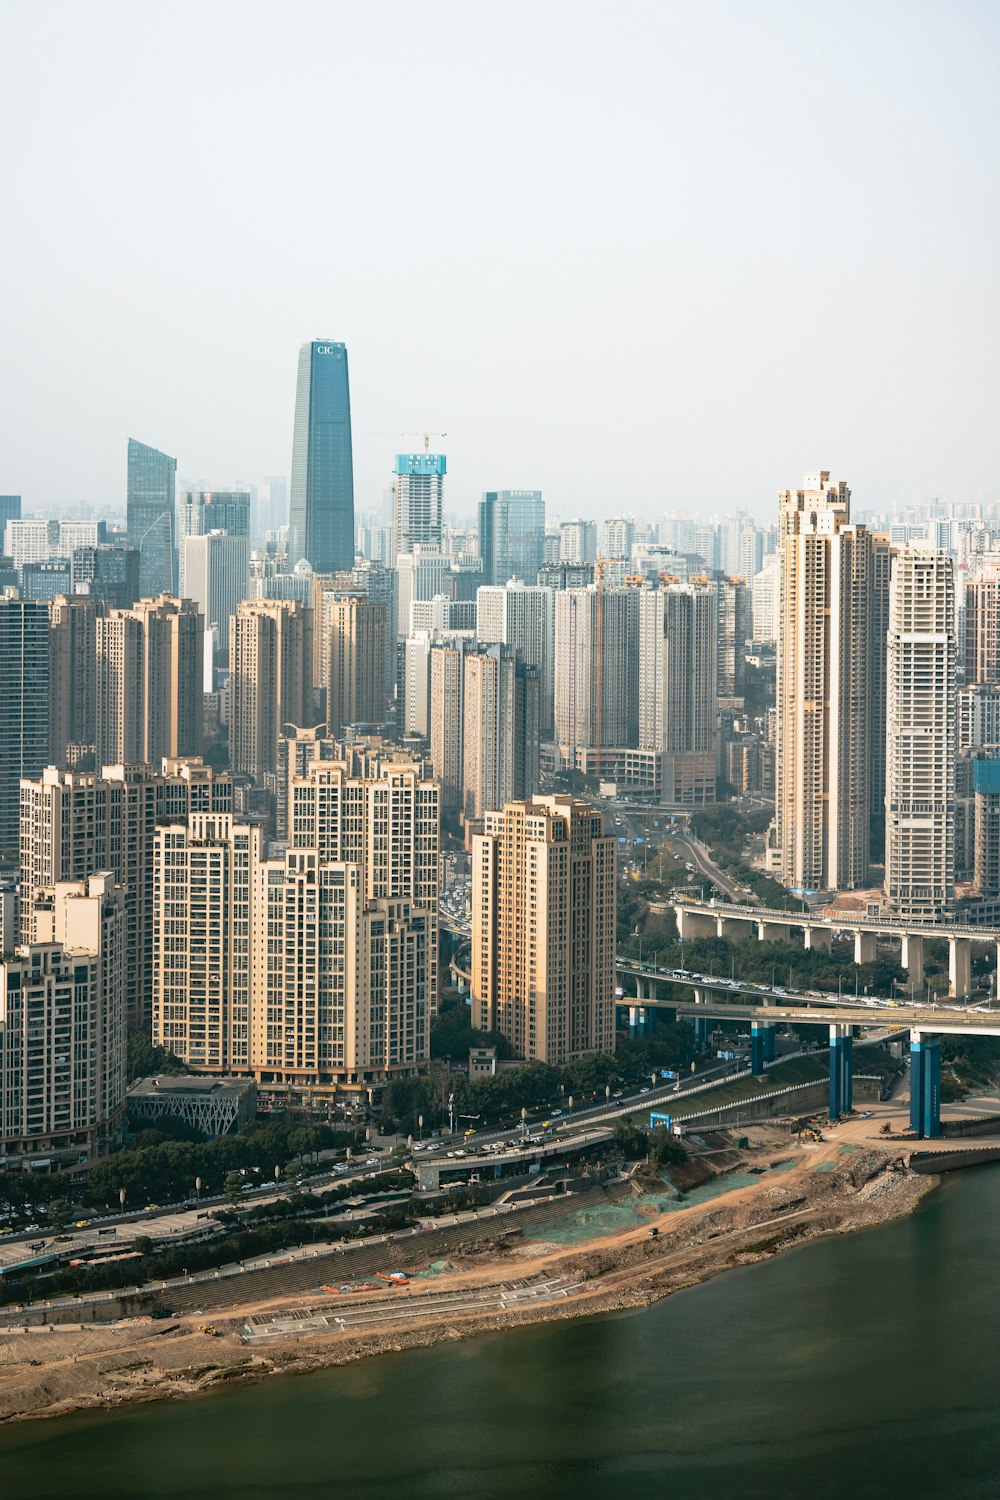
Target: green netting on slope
{"points": [[612, 1218]]}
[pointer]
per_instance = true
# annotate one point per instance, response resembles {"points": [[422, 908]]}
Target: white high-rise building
{"points": [[596, 671], [216, 572], [270, 680], [418, 500], [447, 715], [421, 573], [824, 665], [678, 670], [617, 536], [63, 1031], [314, 970], [523, 616], [979, 716], [34, 540], [150, 670], [204, 873], [920, 738], [418, 655], [500, 731], [765, 601], [76, 822], [577, 541]]}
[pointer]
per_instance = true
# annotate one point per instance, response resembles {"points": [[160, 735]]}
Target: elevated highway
{"points": [[735, 921], [715, 998]]}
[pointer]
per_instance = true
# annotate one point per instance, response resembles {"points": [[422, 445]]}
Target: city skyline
{"points": [[591, 353]]}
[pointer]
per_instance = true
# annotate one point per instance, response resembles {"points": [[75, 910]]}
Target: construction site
{"points": [[737, 1198]]}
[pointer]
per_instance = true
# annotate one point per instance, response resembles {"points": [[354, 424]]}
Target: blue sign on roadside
{"points": [[667, 1073], [656, 1118]]}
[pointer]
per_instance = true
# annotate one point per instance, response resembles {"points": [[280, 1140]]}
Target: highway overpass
{"points": [[737, 922], [720, 999]]}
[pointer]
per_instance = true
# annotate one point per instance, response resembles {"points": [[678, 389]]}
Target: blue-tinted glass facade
{"points": [[10, 510], [24, 693], [46, 578], [152, 481], [511, 535], [986, 775], [321, 503]]}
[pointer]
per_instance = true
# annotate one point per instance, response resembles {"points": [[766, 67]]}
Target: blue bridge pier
{"points": [[841, 1082], [925, 1084], [761, 1045]]}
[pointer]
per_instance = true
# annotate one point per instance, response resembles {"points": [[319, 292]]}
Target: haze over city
{"points": [[665, 262], [499, 750]]}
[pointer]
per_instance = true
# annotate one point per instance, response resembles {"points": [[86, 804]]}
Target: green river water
{"points": [[865, 1366]]}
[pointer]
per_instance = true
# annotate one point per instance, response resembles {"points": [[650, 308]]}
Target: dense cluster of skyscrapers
{"points": [[236, 722]]}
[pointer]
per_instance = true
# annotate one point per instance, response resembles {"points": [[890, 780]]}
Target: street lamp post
{"points": [[420, 1126]]}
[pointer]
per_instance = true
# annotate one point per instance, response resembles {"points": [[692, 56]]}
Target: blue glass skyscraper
{"points": [[511, 535], [152, 479], [321, 504], [24, 693]]}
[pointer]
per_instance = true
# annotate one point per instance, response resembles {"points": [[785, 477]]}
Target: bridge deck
{"points": [[840, 922], [938, 1021]]}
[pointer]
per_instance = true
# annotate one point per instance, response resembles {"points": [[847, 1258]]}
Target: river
{"points": [[862, 1366]]}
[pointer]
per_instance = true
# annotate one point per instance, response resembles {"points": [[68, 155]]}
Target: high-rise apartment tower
{"points": [[920, 740], [823, 771], [543, 929]]}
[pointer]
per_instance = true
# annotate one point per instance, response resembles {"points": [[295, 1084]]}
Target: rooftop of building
{"points": [[189, 1083]]}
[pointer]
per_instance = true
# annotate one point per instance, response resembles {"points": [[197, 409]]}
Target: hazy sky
{"points": [[638, 255]]}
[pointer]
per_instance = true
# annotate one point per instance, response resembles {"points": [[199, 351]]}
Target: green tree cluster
{"points": [[146, 1061], [658, 1145], [167, 1171], [489, 1101], [452, 1032]]}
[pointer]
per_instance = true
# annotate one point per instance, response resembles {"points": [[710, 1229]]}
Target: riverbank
{"points": [[495, 1280]]}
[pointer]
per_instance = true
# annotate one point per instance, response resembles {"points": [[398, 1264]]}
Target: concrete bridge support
{"points": [[925, 1084], [841, 1070], [702, 1024], [761, 1045], [959, 966], [637, 1016], [734, 929], [865, 947], [777, 932], [691, 924], [818, 937], [912, 959]]}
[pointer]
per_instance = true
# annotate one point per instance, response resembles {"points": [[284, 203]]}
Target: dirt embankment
{"points": [[46, 1373]]}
